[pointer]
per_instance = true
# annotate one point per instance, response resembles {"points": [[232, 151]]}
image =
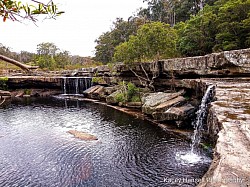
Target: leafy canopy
{"points": [[152, 41]]}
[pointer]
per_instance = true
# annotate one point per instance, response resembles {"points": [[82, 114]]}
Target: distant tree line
{"points": [[176, 28], [48, 56]]}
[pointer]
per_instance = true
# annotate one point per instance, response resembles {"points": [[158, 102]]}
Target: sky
{"points": [[75, 31]]}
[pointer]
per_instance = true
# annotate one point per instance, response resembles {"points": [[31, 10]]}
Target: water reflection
{"points": [[36, 149]]}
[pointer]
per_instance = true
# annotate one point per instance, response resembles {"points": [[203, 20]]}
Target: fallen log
{"points": [[18, 64]]}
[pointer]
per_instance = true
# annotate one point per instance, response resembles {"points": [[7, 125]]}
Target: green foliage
{"points": [[107, 42], [16, 10], [152, 41], [172, 11], [3, 83], [120, 97], [223, 26], [27, 92], [132, 91], [136, 98], [128, 93], [97, 79], [197, 35], [233, 25]]}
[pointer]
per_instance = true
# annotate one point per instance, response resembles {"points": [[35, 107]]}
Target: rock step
{"points": [[175, 113]]}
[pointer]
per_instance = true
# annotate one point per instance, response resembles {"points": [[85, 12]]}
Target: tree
{"points": [[152, 41], [223, 26], [16, 10], [46, 53], [120, 33], [173, 11], [233, 25], [197, 35]]}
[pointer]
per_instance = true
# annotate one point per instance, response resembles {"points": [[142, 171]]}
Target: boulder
{"points": [[175, 113], [82, 135], [111, 98], [178, 101], [152, 100], [94, 92]]}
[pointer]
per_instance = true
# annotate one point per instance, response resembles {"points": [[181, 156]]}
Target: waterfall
{"points": [[75, 85], [201, 116], [64, 86]]}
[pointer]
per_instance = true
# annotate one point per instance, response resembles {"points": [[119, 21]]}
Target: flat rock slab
{"points": [[82, 135], [152, 100]]}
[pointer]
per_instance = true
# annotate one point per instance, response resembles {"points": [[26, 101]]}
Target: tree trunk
{"points": [[16, 63]]}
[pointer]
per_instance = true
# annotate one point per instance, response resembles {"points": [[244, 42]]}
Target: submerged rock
{"points": [[82, 135]]}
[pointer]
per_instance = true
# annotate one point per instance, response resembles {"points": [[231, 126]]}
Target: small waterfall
{"points": [[64, 86], [75, 85], [192, 156], [201, 115]]}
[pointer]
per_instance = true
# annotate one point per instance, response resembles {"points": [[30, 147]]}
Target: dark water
{"points": [[36, 149]]}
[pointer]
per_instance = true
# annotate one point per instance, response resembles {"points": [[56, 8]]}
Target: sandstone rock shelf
{"points": [[229, 116]]}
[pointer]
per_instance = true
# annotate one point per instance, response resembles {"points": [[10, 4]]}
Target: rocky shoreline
{"points": [[228, 120]]}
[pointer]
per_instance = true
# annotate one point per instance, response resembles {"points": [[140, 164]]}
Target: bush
{"points": [[3, 83], [120, 97]]}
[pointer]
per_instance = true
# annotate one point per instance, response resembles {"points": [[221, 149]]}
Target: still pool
{"points": [[36, 150]]}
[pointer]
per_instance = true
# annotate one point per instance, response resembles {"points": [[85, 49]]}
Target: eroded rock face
{"points": [[230, 115], [82, 135]]}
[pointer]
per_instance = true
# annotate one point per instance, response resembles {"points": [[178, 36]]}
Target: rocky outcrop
{"points": [[111, 99], [229, 121], [159, 101], [224, 64], [175, 113], [95, 92], [227, 63], [167, 106], [19, 82], [82, 135]]}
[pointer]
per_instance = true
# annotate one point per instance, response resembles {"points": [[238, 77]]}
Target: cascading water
{"points": [[193, 156], [64, 86], [200, 117], [76, 85]]}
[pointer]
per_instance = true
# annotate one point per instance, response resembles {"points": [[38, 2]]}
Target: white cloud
{"points": [[75, 31]]}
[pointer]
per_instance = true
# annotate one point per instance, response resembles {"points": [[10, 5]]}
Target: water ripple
{"points": [[36, 149]]}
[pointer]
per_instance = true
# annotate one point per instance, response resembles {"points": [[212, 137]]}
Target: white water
{"points": [[64, 86], [201, 114], [75, 85], [192, 156]]}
